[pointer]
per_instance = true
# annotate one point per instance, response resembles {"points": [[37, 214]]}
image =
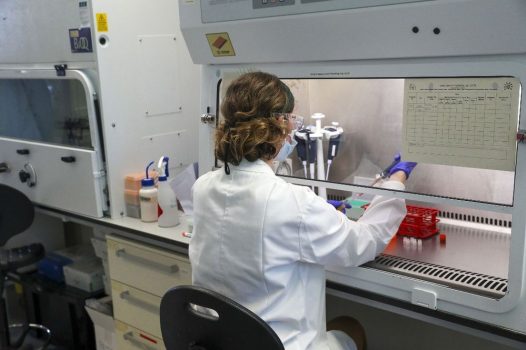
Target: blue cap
{"points": [[147, 182], [163, 168]]}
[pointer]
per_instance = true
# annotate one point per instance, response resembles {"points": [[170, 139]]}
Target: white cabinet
{"points": [[129, 338], [140, 275]]}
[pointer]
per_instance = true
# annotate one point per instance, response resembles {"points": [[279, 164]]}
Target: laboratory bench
{"points": [[171, 238], [146, 260]]}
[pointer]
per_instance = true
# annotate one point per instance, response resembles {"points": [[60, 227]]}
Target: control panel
{"points": [[261, 4], [213, 11]]}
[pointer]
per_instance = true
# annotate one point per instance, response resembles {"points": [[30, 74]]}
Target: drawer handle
{"points": [[68, 159], [4, 168], [126, 295], [121, 253], [138, 344], [23, 151]]}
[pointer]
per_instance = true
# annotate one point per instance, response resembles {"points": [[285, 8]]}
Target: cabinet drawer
{"points": [[130, 338], [136, 308], [143, 267]]}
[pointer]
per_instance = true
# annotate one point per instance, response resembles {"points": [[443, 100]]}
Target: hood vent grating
{"points": [[459, 279]]}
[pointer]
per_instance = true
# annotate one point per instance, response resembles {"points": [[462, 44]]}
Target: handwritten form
{"points": [[470, 122]]}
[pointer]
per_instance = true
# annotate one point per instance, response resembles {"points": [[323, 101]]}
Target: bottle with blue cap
{"points": [[148, 197], [168, 213]]}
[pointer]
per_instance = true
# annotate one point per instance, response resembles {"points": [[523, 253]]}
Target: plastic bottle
{"points": [[148, 198], [168, 213]]}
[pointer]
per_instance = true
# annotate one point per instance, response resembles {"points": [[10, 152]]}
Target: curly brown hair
{"points": [[250, 129]]}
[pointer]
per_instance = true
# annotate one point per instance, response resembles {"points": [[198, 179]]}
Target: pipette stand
{"points": [[320, 165]]}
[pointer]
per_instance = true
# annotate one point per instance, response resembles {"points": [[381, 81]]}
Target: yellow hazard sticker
{"points": [[102, 22], [220, 44], [18, 288]]}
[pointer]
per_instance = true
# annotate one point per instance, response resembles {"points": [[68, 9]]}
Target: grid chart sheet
{"points": [[469, 122]]}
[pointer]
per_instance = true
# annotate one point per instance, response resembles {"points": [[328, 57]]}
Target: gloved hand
{"points": [[406, 167], [339, 205]]}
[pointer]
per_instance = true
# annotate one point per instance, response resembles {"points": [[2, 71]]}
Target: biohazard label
{"points": [[220, 44], [102, 22]]}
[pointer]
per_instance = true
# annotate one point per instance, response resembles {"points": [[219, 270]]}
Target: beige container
{"points": [[133, 181], [85, 275]]}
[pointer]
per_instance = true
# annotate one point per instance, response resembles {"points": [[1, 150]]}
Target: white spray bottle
{"points": [[167, 209]]}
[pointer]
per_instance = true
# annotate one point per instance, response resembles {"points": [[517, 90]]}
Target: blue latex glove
{"points": [[406, 167], [339, 205]]}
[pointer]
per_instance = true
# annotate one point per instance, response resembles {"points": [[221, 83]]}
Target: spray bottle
{"points": [[167, 208]]}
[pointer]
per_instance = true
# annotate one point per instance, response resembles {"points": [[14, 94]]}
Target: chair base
{"points": [[26, 328], [6, 329]]}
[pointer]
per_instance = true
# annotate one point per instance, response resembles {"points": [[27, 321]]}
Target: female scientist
{"points": [[264, 242]]}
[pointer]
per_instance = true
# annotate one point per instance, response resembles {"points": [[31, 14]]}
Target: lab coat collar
{"points": [[258, 166]]}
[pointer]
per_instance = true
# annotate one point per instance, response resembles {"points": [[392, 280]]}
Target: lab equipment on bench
{"points": [[333, 133], [395, 166], [310, 148], [419, 222], [167, 202], [306, 148], [384, 174]]}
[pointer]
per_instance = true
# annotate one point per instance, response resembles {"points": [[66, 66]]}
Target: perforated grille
{"points": [[474, 218], [458, 279]]}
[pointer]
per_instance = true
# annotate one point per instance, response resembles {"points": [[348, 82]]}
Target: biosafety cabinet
{"points": [[91, 91], [439, 82]]}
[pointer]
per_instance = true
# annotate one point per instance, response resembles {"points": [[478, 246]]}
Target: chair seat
{"points": [[230, 326], [16, 215], [12, 259]]}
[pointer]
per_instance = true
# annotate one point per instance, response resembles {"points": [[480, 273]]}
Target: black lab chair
{"points": [[16, 215], [230, 327]]}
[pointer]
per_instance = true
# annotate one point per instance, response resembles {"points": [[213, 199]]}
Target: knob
{"points": [[208, 118], [4, 168], [23, 151], [24, 176], [28, 175]]}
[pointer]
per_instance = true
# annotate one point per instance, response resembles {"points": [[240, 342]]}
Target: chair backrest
{"points": [[16, 213], [234, 328]]}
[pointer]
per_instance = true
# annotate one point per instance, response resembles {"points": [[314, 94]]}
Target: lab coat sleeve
{"points": [[329, 238]]}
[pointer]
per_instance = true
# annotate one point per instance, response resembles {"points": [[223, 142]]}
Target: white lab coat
{"points": [[264, 243]]}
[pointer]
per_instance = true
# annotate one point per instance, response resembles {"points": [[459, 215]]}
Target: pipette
{"points": [[306, 149], [385, 173], [333, 133], [301, 148]]}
